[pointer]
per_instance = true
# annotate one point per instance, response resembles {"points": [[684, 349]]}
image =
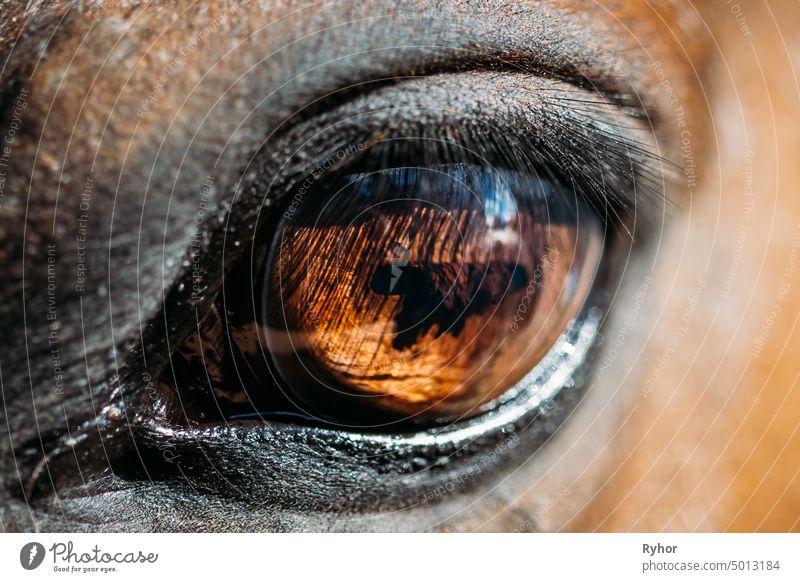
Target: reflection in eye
{"points": [[422, 292]]}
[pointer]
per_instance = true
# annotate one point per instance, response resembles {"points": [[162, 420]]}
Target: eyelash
{"points": [[593, 151]]}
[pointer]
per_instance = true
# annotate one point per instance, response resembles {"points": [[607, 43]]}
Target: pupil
{"points": [[440, 298]]}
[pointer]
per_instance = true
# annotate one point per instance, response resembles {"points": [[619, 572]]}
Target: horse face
{"points": [[150, 151]]}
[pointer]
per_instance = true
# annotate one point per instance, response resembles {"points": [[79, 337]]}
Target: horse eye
{"points": [[414, 294]]}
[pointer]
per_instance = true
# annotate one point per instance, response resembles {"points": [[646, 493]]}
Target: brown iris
{"points": [[423, 292]]}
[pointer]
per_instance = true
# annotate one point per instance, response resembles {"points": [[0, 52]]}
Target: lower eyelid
{"points": [[508, 116], [251, 461]]}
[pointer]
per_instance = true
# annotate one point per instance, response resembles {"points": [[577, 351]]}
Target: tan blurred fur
{"points": [[715, 445]]}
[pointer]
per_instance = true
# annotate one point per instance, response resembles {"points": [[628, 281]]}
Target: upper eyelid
{"points": [[631, 103], [536, 115]]}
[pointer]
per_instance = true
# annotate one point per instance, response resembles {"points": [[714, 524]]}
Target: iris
{"points": [[420, 293]]}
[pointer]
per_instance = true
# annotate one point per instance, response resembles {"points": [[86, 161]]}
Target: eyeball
{"points": [[422, 293]]}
